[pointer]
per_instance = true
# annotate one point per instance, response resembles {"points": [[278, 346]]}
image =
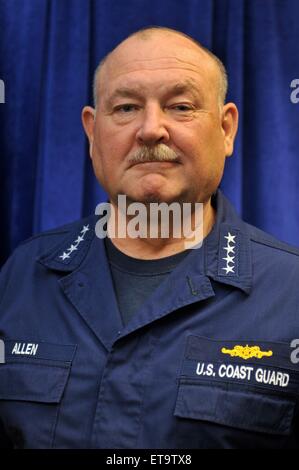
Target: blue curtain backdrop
{"points": [[48, 52]]}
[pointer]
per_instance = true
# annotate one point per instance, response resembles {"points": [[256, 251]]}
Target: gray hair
{"points": [[146, 33]]}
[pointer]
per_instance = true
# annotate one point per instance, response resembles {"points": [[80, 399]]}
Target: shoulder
{"points": [[268, 250], [22, 264], [264, 239], [46, 242]]}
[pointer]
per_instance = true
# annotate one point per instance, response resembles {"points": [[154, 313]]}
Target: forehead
{"points": [[149, 59]]}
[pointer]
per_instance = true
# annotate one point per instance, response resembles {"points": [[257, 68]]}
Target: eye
{"points": [[182, 107], [125, 108]]}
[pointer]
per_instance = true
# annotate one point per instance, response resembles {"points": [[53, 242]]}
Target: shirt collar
{"points": [[226, 250]]}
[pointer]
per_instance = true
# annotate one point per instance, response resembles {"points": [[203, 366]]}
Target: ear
{"points": [[88, 121], [230, 117]]}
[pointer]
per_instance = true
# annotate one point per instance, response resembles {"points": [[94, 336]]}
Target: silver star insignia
{"points": [[229, 269], [64, 256], [230, 238], [229, 249], [72, 248], [85, 229], [79, 240], [229, 259]]}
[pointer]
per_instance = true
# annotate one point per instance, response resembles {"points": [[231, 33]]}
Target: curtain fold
{"points": [[48, 52]]}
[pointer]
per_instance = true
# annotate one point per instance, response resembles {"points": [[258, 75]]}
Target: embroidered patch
{"points": [[268, 365], [247, 352], [23, 349]]}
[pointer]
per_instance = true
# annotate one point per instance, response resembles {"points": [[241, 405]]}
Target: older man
{"points": [[138, 342]]}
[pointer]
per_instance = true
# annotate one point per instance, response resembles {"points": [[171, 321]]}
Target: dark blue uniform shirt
{"points": [[205, 362]]}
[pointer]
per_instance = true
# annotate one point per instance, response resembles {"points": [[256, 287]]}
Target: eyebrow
{"points": [[186, 86]]}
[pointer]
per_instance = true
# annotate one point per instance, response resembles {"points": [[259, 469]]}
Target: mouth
{"points": [[155, 163]]}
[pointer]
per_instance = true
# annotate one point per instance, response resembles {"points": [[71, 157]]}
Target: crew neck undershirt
{"points": [[135, 279]]}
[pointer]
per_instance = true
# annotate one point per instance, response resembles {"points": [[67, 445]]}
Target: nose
{"points": [[153, 127]]}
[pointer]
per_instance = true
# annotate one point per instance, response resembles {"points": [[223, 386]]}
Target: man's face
{"points": [[162, 90]]}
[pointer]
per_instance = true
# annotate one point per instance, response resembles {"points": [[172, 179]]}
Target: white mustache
{"points": [[160, 153]]}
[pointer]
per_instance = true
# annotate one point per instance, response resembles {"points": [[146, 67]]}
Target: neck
{"points": [[148, 247]]}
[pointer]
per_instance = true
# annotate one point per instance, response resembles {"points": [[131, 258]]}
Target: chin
{"points": [[154, 198], [147, 195]]}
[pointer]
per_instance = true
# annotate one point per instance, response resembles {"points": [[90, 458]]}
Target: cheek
{"points": [[113, 143], [109, 152], [203, 150], [205, 143]]}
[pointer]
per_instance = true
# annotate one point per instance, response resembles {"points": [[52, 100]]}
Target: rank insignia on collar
{"points": [[74, 245], [228, 253]]}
